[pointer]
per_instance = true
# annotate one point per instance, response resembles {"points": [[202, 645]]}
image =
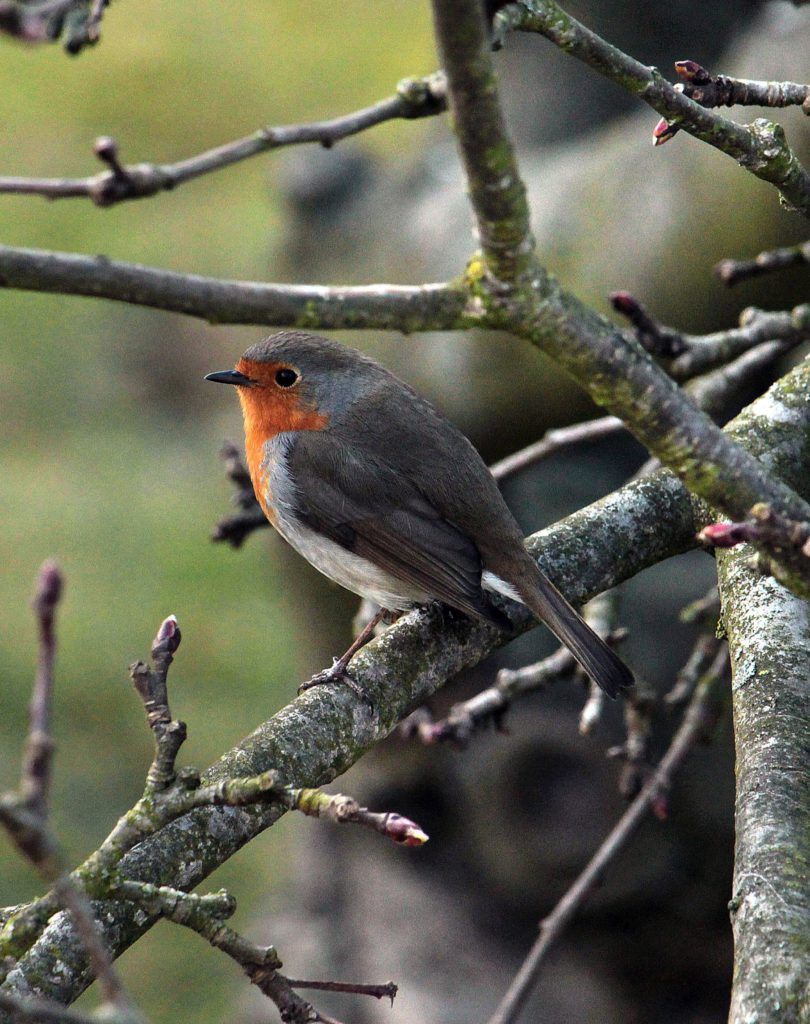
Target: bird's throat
{"points": [[265, 419]]}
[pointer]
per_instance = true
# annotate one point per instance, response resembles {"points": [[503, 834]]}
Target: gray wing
{"points": [[367, 507]]}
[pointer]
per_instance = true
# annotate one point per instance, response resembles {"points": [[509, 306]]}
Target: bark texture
{"points": [[769, 636]]}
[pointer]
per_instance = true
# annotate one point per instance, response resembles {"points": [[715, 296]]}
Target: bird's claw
{"points": [[338, 673]]}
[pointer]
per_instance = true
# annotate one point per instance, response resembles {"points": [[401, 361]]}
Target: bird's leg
{"points": [[338, 673]]}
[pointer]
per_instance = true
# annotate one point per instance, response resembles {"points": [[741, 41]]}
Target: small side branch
{"points": [[770, 532], [36, 771], [732, 272], [760, 147], [700, 719], [686, 356], [721, 91], [415, 97], [553, 441]]}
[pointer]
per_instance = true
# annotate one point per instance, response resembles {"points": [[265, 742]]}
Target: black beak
{"points": [[231, 377]]}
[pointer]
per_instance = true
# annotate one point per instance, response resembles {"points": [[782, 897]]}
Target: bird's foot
{"points": [[338, 673]]}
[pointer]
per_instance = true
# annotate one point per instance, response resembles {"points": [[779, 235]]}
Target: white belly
{"points": [[349, 570]]}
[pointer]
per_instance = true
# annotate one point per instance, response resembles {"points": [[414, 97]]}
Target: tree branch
{"points": [[731, 271], [590, 551], [403, 308], [415, 97], [510, 291], [700, 717], [496, 189], [769, 637], [760, 147], [622, 377]]}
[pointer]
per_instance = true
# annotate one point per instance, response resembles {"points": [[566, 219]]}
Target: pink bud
{"points": [[692, 71], [623, 302], [168, 635], [404, 831], [725, 535], [50, 584], [663, 132], [660, 807]]}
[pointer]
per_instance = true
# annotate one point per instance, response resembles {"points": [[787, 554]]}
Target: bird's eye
{"points": [[285, 377]]}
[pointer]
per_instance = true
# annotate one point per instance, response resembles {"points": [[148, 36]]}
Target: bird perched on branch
{"points": [[381, 493]]}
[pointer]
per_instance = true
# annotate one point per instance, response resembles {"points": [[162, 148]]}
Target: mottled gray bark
{"points": [[769, 635], [393, 307]]}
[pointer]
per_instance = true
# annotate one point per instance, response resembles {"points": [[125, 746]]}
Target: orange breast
{"points": [[269, 411], [260, 469]]}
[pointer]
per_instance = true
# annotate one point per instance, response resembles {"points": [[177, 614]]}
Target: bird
{"points": [[378, 490]]}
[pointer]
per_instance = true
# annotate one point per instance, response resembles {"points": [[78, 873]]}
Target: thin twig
{"points": [[703, 654], [700, 718], [732, 272], [35, 779], [658, 340], [490, 705], [417, 97], [386, 991], [760, 148], [552, 441], [757, 326], [25, 814]]}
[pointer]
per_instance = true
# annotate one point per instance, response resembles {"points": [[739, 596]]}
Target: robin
{"points": [[381, 493]]}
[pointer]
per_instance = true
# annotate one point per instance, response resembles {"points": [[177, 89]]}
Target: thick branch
{"points": [[769, 636], [622, 377], [496, 190], [381, 306], [321, 733], [760, 147]]}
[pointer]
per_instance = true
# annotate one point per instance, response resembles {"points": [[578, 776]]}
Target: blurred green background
{"points": [[110, 437]]}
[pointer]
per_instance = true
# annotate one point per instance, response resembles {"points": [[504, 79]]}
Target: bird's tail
{"points": [[603, 666]]}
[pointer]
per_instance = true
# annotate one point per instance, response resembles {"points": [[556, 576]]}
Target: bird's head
{"points": [[296, 381]]}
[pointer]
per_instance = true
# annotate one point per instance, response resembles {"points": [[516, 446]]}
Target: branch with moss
{"points": [[391, 307], [769, 637], [760, 147], [510, 291], [596, 548], [624, 379], [168, 795], [496, 189], [721, 91]]}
